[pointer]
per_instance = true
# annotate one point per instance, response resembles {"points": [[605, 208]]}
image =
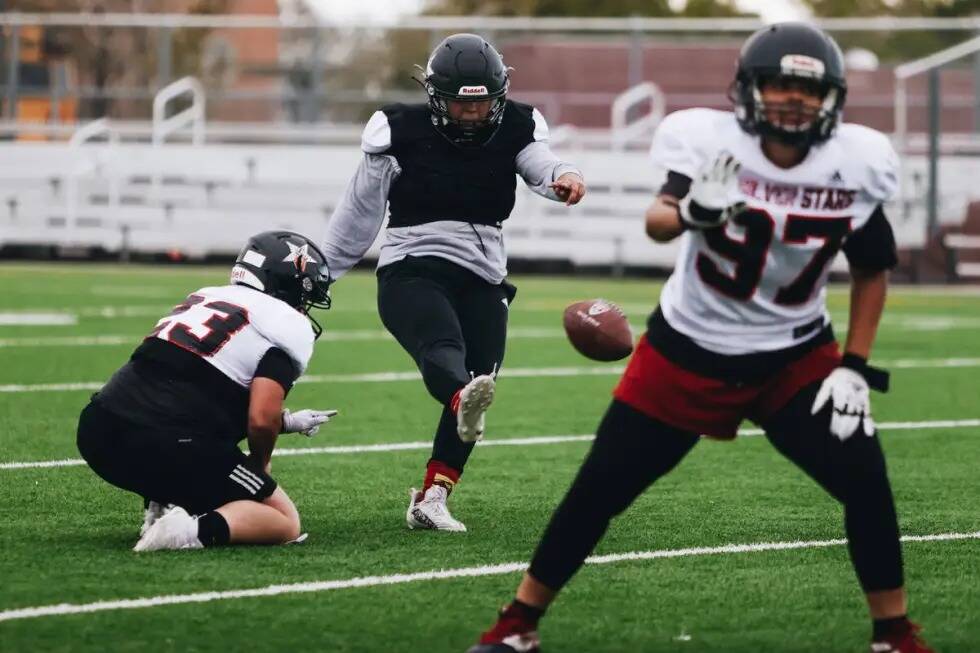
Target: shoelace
{"points": [[438, 503], [441, 510]]}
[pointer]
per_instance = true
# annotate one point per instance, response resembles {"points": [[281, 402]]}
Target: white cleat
{"points": [[175, 530], [430, 511], [474, 399], [153, 512]]}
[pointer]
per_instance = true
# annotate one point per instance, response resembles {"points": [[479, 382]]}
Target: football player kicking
{"points": [[447, 171], [763, 199], [167, 424]]}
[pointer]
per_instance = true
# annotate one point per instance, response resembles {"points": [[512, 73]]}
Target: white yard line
{"points": [[895, 323], [344, 335], [507, 373], [52, 387], [26, 318], [70, 341], [143, 292], [123, 311], [917, 363], [502, 442], [442, 574]]}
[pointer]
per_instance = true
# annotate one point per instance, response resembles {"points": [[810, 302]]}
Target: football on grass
{"points": [[598, 330]]}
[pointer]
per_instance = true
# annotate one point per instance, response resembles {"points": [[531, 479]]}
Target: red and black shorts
{"points": [[658, 385]]}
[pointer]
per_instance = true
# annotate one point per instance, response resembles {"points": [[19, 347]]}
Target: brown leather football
{"points": [[598, 329]]}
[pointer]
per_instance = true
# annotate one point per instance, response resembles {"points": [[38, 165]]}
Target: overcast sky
{"points": [[388, 10]]}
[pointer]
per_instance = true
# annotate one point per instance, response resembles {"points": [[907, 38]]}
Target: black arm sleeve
{"points": [[872, 247], [278, 366], [677, 185]]}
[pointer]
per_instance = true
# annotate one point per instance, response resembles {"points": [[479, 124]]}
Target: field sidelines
{"points": [[443, 574], [507, 373], [503, 442]]}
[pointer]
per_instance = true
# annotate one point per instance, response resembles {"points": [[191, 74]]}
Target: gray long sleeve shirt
{"points": [[359, 216]]}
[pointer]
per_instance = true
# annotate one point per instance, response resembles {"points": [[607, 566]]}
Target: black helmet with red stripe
{"points": [[790, 53]]}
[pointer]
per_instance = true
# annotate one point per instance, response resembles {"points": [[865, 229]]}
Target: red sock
{"points": [[439, 473], [454, 402]]}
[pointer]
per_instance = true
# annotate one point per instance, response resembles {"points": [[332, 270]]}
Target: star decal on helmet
{"points": [[299, 255]]}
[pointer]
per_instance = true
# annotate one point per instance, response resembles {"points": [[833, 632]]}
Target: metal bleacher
{"points": [[161, 193]]}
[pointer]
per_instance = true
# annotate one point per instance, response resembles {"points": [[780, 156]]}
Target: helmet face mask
{"points": [[465, 68], [781, 59], [287, 266], [795, 116]]}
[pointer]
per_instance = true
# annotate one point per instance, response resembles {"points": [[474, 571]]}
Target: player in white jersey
{"points": [[211, 373], [763, 199]]}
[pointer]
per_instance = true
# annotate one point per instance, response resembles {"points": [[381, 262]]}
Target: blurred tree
{"points": [[593, 8], [549, 7], [107, 57], [387, 62], [897, 46], [711, 9]]}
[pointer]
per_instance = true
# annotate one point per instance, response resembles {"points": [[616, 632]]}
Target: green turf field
{"points": [[66, 536]]}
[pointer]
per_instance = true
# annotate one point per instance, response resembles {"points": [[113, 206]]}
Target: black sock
{"points": [[212, 529], [526, 612], [885, 627]]}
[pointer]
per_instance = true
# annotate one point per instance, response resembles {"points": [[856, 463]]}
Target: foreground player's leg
{"points": [[273, 521], [475, 313], [416, 306], [483, 311], [630, 452], [853, 471]]}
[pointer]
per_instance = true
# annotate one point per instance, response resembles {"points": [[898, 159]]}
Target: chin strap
{"points": [[317, 329]]}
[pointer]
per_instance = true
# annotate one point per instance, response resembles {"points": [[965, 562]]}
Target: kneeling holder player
{"points": [[215, 371]]}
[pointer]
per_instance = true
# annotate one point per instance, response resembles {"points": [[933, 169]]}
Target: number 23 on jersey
{"points": [[199, 326]]}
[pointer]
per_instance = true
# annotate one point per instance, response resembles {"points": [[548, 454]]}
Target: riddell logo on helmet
{"points": [[472, 90], [801, 65]]}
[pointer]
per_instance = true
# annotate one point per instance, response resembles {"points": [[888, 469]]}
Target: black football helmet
{"points": [[790, 52], [288, 266], [465, 67]]}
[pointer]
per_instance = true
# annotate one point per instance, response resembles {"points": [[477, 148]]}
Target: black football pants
{"points": [[186, 469], [454, 325], [632, 450]]}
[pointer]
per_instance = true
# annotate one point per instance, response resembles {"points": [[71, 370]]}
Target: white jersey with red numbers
{"points": [[759, 283], [232, 328]]}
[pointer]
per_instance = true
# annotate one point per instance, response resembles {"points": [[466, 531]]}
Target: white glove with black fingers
{"points": [[306, 421], [708, 202], [848, 390]]}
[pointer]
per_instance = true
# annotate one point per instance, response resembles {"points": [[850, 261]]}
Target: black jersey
{"points": [[443, 181]]}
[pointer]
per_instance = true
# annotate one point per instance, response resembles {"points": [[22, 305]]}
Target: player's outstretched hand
{"points": [[848, 392], [709, 202], [570, 188], [306, 421]]}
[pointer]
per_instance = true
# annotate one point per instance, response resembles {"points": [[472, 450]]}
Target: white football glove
{"points": [[848, 390], [709, 204], [306, 421]]}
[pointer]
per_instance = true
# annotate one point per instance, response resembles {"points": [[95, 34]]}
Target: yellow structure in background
{"points": [[43, 84]]}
